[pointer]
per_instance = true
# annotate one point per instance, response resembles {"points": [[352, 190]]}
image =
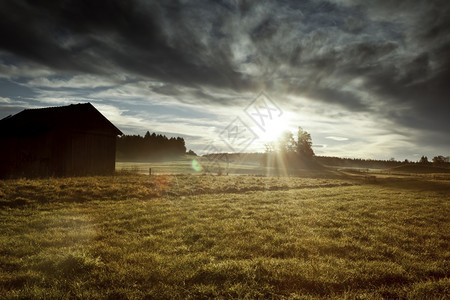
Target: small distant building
{"points": [[70, 140]]}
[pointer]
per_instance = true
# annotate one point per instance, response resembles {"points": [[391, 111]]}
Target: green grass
{"points": [[185, 236]]}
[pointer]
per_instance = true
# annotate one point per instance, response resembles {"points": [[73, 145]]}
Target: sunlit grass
{"points": [[223, 236], [125, 186]]}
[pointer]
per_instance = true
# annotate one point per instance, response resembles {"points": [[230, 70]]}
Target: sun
{"points": [[274, 130]]}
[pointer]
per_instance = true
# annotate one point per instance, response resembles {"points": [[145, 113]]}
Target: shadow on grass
{"points": [[414, 184]]}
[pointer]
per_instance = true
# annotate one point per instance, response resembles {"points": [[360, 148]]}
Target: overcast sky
{"points": [[367, 79]]}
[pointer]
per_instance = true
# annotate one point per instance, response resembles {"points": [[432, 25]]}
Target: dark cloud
{"points": [[343, 98], [100, 36], [398, 49]]}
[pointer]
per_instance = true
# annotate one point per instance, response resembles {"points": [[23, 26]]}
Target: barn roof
{"points": [[74, 117]]}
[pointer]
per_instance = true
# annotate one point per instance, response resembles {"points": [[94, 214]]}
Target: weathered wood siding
{"points": [[91, 153], [57, 154]]}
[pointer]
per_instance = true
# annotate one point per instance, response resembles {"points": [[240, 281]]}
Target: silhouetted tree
{"points": [[438, 160], [190, 152], [289, 152], [304, 143], [424, 160], [286, 142]]}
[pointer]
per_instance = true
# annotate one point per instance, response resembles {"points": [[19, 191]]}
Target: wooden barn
{"points": [[57, 141]]}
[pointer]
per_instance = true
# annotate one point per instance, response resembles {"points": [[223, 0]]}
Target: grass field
{"points": [[185, 167], [184, 236]]}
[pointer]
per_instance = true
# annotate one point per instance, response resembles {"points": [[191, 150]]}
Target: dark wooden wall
{"points": [[92, 154], [58, 154]]}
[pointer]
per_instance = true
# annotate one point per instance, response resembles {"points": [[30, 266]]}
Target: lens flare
{"points": [[196, 165]]}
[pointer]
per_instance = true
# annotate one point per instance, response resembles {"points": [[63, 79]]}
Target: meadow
{"points": [[132, 236]]}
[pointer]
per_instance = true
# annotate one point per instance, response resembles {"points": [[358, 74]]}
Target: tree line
{"points": [[150, 147], [358, 162], [437, 161]]}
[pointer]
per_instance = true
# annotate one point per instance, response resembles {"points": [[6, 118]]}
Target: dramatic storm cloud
{"points": [[365, 78]]}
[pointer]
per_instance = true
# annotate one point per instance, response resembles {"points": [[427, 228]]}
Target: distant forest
{"points": [[261, 158], [150, 147], [438, 161]]}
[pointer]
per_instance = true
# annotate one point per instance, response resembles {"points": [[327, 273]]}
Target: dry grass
{"points": [[134, 186], [224, 237]]}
